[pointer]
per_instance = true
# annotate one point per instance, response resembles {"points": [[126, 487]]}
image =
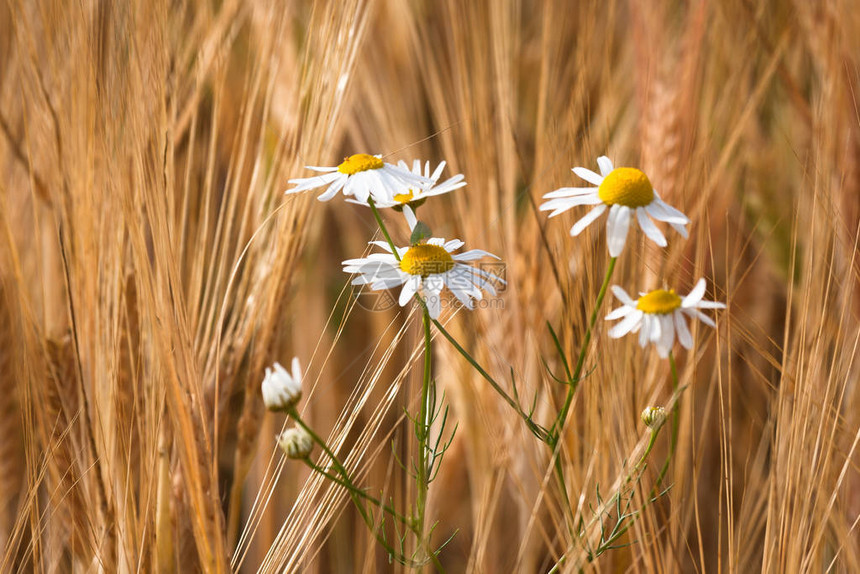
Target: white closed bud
{"points": [[282, 390], [296, 443], [654, 417]]}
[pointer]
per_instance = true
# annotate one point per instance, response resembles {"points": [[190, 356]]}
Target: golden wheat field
{"points": [[153, 270]]}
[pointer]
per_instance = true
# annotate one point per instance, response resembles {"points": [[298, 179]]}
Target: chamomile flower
{"points": [[654, 417], [659, 314], [425, 268], [296, 443], [282, 389], [413, 196], [362, 176], [625, 192]]}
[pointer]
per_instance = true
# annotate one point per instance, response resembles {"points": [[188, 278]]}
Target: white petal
{"points": [[695, 295], [473, 254], [645, 332], [662, 211], [389, 283], [332, 190], [409, 289], [626, 325], [588, 175], [656, 329], [432, 295], [700, 316], [605, 165], [616, 229], [684, 336], [587, 220], [648, 227], [622, 296], [411, 219], [297, 370], [671, 210], [570, 192], [306, 183], [357, 185], [463, 295], [618, 313], [667, 335], [682, 231], [434, 306], [710, 305], [562, 204]]}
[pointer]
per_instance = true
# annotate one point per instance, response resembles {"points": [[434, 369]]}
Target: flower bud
{"points": [[296, 443], [654, 417], [281, 390]]}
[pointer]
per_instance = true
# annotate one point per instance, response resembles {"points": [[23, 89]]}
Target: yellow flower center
{"points": [[359, 162], [626, 186], [407, 198], [659, 302], [424, 260], [404, 197]]}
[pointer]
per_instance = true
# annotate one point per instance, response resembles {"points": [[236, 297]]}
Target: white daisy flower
{"points": [[416, 196], [654, 417], [296, 443], [659, 314], [625, 192], [281, 389], [425, 268], [361, 176]]}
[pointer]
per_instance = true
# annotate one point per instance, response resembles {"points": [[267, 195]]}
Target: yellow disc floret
{"points": [[659, 302], [404, 197], [359, 162], [424, 260], [626, 186]]}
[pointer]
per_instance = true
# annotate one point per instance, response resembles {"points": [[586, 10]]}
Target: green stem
{"points": [[651, 441], [382, 227], [558, 426], [353, 492], [555, 432], [359, 492], [422, 429], [538, 431], [676, 419], [562, 486], [316, 438]]}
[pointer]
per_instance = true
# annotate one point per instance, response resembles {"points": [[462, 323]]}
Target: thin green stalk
{"points": [[540, 432], [676, 419], [651, 441], [422, 430], [334, 460], [354, 489], [316, 438], [425, 411], [353, 492], [558, 426], [558, 469], [382, 227]]}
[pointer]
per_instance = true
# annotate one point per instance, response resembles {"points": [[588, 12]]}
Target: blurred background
{"points": [[151, 268]]}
